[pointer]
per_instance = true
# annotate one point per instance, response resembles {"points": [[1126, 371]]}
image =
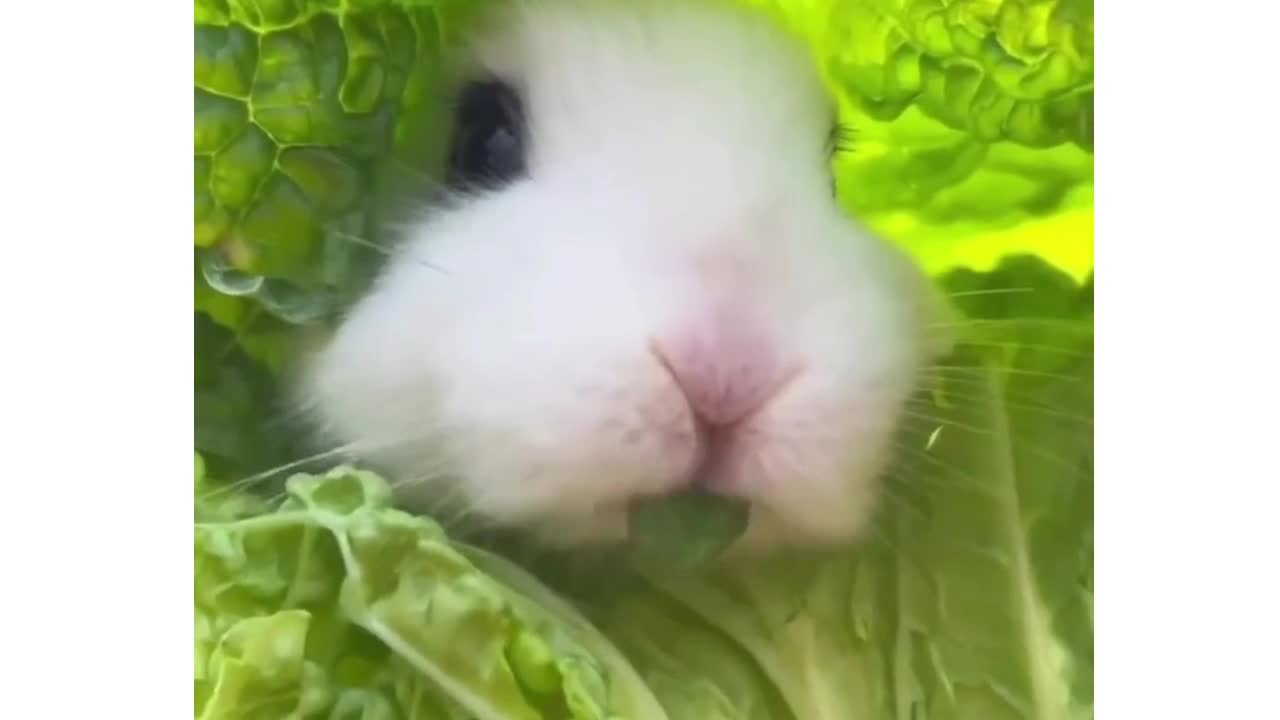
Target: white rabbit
{"points": [[643, 283]]}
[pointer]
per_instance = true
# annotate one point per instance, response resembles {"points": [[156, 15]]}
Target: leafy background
{"points": [[972, 147]]}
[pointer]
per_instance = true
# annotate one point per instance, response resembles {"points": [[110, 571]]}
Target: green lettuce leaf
{"points": [[336, 603], [686, 530], [971, 123], [304, 112]]}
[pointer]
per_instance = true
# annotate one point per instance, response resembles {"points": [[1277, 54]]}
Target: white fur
{"points": [[678, 169]]}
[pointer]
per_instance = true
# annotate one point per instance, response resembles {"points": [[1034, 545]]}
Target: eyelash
{"points": [[840, 140]]}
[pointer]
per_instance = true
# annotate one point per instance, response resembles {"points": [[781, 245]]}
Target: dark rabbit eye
{"points": [[489, 138]]}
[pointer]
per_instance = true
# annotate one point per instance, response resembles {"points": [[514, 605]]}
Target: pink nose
{"points": [[725, 371]]}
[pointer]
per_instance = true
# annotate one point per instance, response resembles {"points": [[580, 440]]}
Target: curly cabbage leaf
{"points": [[972, 123], [335, 604], [305, 111], [685, 530], [999, 70]]}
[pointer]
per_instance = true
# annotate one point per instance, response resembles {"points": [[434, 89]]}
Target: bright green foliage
{"points": [[1017, 70], [686, 529], [304, 109], [970, 599], [336, 605], [972, 123]]}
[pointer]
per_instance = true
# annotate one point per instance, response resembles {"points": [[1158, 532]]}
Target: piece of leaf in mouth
{"points": [[685, 530]]}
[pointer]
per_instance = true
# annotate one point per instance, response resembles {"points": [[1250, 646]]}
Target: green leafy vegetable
{"points": [[335, 603], [972, 123], [304, 111], [686, 530]]}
